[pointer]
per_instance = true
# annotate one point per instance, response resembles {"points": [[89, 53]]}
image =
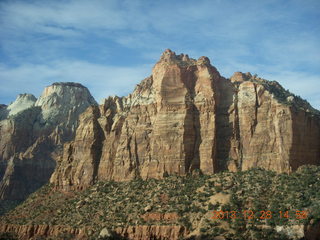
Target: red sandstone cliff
{"points": [[185, 116]]}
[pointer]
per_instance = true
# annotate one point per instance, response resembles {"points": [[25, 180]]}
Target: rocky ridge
{"points": [[186, 116]]}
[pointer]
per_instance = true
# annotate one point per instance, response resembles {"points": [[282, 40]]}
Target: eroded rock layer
{"points": [[184, 117], [32, 134]]}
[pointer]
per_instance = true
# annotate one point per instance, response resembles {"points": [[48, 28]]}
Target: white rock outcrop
{"points": [[23, 102]]}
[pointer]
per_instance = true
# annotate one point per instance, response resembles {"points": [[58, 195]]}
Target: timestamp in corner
{"points": [[264, 214]]}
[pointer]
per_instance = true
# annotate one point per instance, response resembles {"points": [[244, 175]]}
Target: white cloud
{"points": [[276, 41], [80, 15]]}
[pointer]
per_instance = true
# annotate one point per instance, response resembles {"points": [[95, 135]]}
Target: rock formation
{"points": [[32, 133], [25, 232], [184, 117]]}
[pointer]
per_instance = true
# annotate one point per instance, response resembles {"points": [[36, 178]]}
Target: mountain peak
{"points": [[68, 84], [22, 102], [68, 92], [61, 97], [240, 77], [169, 56]]}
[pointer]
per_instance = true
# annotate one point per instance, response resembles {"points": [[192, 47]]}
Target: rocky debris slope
{"points": [[184, 117], [32, 133]]}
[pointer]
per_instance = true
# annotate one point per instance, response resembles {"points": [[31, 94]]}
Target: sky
{"points": [[110, 46]]}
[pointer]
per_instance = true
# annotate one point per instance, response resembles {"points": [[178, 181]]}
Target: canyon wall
{"points": [[185, 117]]}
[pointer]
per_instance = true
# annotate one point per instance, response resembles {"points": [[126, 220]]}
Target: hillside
{"points": [[178, 207]]}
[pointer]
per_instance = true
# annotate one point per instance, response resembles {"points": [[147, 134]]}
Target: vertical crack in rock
{"points": [[237, 134], [192, 128], [129, 152], [136, 153], [196, 126], [97, 145], [225, 115], [255, 120], [192, 138]]}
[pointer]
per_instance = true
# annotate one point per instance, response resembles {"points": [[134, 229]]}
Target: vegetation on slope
{"points": [[285, 96], [191, 201]]}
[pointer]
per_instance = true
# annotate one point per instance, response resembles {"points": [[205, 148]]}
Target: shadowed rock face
{"points": [[32, 133], [185, 116]]}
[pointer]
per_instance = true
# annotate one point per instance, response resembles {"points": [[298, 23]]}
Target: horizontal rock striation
{"points": [[173, 232], [25, 232], [186, 117]]}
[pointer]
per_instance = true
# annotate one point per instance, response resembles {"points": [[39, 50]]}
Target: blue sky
{"points": [[109, 46]]}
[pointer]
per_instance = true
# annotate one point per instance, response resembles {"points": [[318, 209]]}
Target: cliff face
{"points": [[274, 129], [32, 133], [166, 126], [185, 116]]}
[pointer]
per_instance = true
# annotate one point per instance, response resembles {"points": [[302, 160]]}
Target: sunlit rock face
{"points": [[184, 117], [64, 101], [32, 133]]}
